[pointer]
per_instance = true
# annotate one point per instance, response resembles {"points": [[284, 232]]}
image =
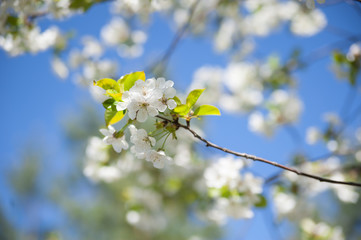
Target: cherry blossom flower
{"points": [[110, 139], [158, 158]]}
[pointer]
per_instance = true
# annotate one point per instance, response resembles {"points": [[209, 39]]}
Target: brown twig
{"points": [[255, 158], [177, 37]]}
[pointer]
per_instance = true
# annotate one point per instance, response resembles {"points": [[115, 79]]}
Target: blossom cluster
{"points": [[321, 231], [242, 87], [148, 98], [234, 194], [143, 100]]}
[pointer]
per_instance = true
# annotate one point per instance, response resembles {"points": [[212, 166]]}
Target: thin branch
{"points": [[255, 158], [177, 37], [325, 50]]}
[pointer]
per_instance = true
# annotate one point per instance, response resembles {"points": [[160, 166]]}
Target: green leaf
{"points": [[108, 83], [81, 4], [108, 103], [114, 94], [262, 202], [177, 100], [112, 116], [128, 80], [339, 57], [353, 74], [193, 97], [12, 21], [206, 110], [182, 109]]}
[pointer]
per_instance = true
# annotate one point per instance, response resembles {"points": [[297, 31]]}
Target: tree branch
{"points": [[177, 37], [255, 158]]}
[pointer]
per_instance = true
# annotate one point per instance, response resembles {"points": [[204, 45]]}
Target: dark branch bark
{"points": [[255, 158]]}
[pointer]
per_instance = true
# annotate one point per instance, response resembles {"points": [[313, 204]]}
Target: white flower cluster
{"points": [[266, 16], [140, 7], [234, 194], [118, 143], [98, 166], [340, 144], [330, 167], [21, 34], [90, 65], [240, 88], [143, 147], [118, 34], [96, 155], [148, 98], [283, 108], [244, 85], [354, 53], [150, 217], [320, 230], [31, 40]]}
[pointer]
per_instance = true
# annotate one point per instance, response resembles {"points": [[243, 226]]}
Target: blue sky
{"points": [[34, 101]]}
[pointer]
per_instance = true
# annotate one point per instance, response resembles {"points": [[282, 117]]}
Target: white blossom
{"points": [[59, 68], [166, 101], [308, 23], [158, 158], [102, 173], [138, 100], [118, 143], [257, 123], [97, 150], [346, 194], [209, 78], [354, 52], [224, 172], [92, 48], [146, 98], [313, 135], [115, 32], [142, 142], [98, 93], [284, 203], [286, 108], [224, 37], [76, 58], [321, 230]]}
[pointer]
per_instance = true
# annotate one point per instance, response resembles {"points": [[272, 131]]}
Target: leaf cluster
{"points": [[114, 89]]}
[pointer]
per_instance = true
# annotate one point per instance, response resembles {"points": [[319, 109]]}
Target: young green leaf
{"points": [[114, 94], [177, 100], [108, 103], [339, 58], [206, 110], [128, 80], [193, 97], [108, 83], [182, 109], [112, 116], [262, 202]]}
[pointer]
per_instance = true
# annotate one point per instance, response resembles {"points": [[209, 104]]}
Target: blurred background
{"points": [[46, 123]]}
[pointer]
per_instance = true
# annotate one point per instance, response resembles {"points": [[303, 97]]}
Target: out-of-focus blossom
{"points": [[354, 52], [313, 135], [321, 230], [59, 68], [92, 48], [308, 23]]}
